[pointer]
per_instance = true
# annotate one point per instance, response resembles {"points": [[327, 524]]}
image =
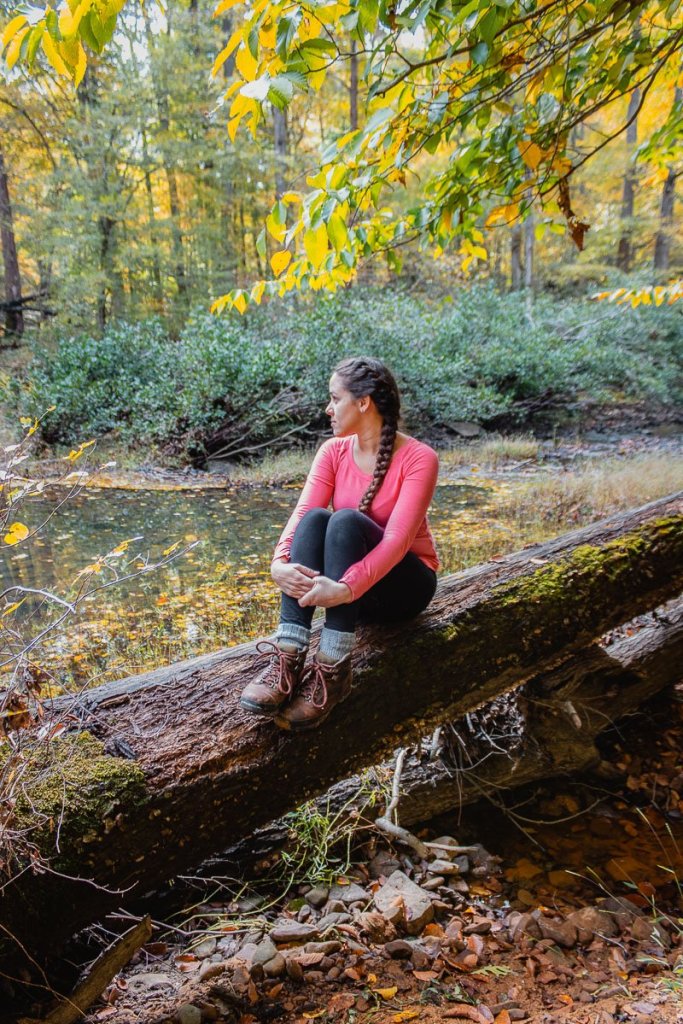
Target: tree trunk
{"points": [[666, 216], [14, 316], [280, 150], [167, 768], [516, 258], [545, 728], [169, 169], [625, 252]]}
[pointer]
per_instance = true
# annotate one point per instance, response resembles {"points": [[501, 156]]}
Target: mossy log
{"points": [[545, 728], [167, 768]]}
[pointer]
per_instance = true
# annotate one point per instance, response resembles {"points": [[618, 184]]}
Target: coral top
{"points": [[399, 507]]}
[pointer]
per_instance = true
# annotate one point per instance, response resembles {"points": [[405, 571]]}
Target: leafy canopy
{"points": [[474, 105]]}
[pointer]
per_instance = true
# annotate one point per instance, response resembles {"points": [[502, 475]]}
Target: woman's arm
{"points": [[417, 491], [316, 493]]}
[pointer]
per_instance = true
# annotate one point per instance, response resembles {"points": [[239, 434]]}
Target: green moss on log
{"points": [[74, 795]]}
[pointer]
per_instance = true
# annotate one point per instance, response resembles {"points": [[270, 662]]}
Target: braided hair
{"points": [[363, 375]]}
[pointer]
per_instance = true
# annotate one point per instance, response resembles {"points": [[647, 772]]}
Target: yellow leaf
{"points": [[13, 607], [386, 993], [240, 302], [224, 6], [233, 125], [231, 45], [405, 1015], [246, 64], [11, 30], [16, 533], [315, 244], [531, 154], [280, 260], [313, 1015], [81, 65], [257, 292], [502, 215], [14, 48], [53, 55]]}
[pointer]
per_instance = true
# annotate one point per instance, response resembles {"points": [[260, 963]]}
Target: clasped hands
{"points": [[308, 586]]}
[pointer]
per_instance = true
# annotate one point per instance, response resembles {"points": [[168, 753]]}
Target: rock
{"points": [[398, 949], [329, 921], [294, 931], [445, 841], [477, 926], [433, 883], [590, 921], [443, 867], [317, 896], [463, 864], [207, 947], [257, 954], [304, 913], [383, 864], [141, 983], [562, 932], [376, 926], [276, 967], [333, 907], [209, 969], [331, 946], [314, 977], [402, 901], [644, 929], [188, 1013], [347, 894], [642, 1006], [466, 429], [622, 910], [522, 924], [294, 969]]}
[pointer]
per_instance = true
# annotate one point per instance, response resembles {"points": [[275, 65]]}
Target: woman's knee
{"points": [[348, 519], [314, 518]]}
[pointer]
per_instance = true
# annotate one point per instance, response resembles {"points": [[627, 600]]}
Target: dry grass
{"points": [[491, 453], [596, 490], [275, 469]]}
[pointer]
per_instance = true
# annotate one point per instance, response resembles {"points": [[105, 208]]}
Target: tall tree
{"points": [[625, 250], [14, 316], [666, 207]]}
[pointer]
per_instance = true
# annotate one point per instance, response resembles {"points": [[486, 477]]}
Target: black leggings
{"points": [[332, 541]]}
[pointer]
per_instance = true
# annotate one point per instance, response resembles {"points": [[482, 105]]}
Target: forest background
{"points": [[129, 205]]}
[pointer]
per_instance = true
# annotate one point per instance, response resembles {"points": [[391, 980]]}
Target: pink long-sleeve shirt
{"points": [[399, 507]]}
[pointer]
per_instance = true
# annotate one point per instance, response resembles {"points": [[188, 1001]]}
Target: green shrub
{"points": [[477, 357]]}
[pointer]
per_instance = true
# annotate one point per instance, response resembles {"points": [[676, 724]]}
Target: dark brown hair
{"points": [[363, 375]]}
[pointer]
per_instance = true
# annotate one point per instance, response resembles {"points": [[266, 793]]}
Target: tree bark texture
{"points": [[625, 250], [544, 728], [164, 769], [14, 314]]}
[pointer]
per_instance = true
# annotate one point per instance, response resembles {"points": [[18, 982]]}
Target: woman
{"points": [[372, 559]]}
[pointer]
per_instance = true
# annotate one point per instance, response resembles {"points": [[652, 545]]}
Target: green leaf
{"points": [[480, 53]]}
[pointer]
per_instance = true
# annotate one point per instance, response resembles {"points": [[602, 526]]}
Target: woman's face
{"points": [[345, 411]]}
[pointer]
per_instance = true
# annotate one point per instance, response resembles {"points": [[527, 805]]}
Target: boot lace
{"points": [[313, 682], [279, 677]]}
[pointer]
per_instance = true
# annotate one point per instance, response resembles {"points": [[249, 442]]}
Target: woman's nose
{"points": [[328, 410]]}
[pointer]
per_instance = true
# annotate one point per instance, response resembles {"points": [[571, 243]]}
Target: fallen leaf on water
{"points": [[386, 993]]}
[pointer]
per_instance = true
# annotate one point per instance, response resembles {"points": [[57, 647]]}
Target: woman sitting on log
{"points": [[372, 559]]}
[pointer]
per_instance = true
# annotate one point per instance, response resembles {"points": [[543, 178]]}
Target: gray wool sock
{"points": [[335, 645], [291, 635]]}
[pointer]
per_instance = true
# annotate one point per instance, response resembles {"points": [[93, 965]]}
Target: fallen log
{"points": [[165, 768], [544, 728]]}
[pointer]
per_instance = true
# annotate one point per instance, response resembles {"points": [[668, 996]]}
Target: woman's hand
{"points": [[326, 593], [292, 578]]}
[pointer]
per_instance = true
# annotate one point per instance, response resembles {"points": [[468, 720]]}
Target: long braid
{"points": [[384, 453], [364, 375]]}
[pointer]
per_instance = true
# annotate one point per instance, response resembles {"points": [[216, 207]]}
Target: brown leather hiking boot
{"points": [[276, 682], [322, 688]]}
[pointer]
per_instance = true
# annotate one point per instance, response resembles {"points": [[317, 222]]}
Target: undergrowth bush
{"points": [[482, 355]]}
